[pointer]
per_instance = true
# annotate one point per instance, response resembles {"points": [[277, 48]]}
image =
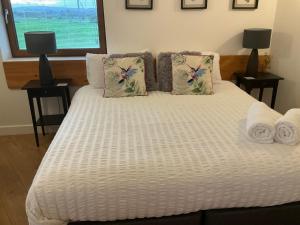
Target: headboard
{"points": [[18, 73]]}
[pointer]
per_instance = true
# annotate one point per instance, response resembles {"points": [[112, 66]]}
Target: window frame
{"points": [[14, 45]]}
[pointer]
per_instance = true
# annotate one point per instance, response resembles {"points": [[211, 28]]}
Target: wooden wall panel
{"points": [[238, 63], [18, 73]]}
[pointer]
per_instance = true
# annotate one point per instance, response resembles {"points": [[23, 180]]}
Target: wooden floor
{"points": [[19, 160]]}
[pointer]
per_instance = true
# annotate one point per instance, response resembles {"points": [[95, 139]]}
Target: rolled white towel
{"points": [[261, 123], [288, 128]]}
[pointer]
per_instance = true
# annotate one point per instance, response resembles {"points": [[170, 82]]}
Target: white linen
{"points": [[95, 70], [261, 123], [288, 128], [158, 155]]}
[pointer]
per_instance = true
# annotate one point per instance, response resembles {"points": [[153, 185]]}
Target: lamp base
{"points": [[252, 68], [46, 77]]}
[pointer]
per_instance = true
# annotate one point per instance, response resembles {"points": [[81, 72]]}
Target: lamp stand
{"points": [[252, 68], [46, 77]]}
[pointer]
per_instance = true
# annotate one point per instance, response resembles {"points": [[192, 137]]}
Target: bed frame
{"points": [[288, 214]]}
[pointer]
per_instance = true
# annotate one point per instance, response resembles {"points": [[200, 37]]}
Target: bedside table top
{"points": [[35, 84], [260, 77]]}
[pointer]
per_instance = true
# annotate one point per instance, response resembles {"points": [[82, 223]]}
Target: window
{"points": [[78, 24]]}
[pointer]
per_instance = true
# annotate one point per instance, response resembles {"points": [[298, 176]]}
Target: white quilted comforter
{"points": [[159, 155]]}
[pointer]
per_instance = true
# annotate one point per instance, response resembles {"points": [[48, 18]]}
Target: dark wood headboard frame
{"points": [[18, 73]]}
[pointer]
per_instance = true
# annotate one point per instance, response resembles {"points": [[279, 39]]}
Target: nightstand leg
{"points": [[238, 82], [261, 94], [68, 97], [274, 94], [41, 114], [65, 104], [34, 121]]}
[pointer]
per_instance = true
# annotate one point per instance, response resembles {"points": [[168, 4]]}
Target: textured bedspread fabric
{"points": [[158, 155]]}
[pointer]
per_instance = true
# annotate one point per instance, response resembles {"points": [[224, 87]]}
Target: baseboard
{"points": [[16, 129]]}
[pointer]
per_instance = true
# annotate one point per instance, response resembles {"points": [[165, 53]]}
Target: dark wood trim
{"points": [[101, 27], [238, 7], [13, 40], [184, 8], [11, 29], [127, 5]]}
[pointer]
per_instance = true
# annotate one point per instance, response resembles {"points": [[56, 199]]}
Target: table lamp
{"points": [[42, 43], [256, 38]]}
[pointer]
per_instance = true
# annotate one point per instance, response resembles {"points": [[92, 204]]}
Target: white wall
{"points": [[14, 110], [285, 53], [166, 27]]}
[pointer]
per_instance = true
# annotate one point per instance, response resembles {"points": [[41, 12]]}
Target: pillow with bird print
{"points": [[124, 77], [192, 75]]}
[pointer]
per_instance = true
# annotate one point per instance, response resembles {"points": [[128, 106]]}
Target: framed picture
{"points": [[193, 4], [245, 4], [139, 4]]}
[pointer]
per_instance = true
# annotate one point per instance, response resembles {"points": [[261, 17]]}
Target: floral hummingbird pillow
{"points": [[192, 75], [124, 77]]}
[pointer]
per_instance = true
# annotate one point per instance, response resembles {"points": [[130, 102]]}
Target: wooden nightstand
{"points": [[262, 81], [60, 88]]}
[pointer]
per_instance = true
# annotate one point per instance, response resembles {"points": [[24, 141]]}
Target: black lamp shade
{"points": [[257, 38], [41, 42]]}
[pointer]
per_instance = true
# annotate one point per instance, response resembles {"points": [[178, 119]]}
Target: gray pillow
{"points": [[150, 78], [164, 69]]}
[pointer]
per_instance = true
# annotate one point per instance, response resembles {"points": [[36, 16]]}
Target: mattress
{"points": [[158, 155]]}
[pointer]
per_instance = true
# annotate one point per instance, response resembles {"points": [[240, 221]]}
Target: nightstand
{"points": [[34, 89], [262, 81]]}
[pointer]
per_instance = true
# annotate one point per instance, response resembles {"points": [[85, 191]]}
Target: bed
{"points": [[157, 156]]}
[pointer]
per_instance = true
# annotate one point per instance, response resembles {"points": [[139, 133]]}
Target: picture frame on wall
{"points": [[193, 4], [139, 4], [245, 4]]}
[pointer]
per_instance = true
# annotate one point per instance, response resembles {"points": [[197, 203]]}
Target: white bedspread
{"points": [[159, 155]]}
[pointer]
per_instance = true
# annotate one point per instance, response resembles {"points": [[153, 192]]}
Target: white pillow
{"points": [[95, 70], [216, 67]]}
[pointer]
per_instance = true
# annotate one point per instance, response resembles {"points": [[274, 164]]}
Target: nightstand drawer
{"points": [[46, 92]]}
